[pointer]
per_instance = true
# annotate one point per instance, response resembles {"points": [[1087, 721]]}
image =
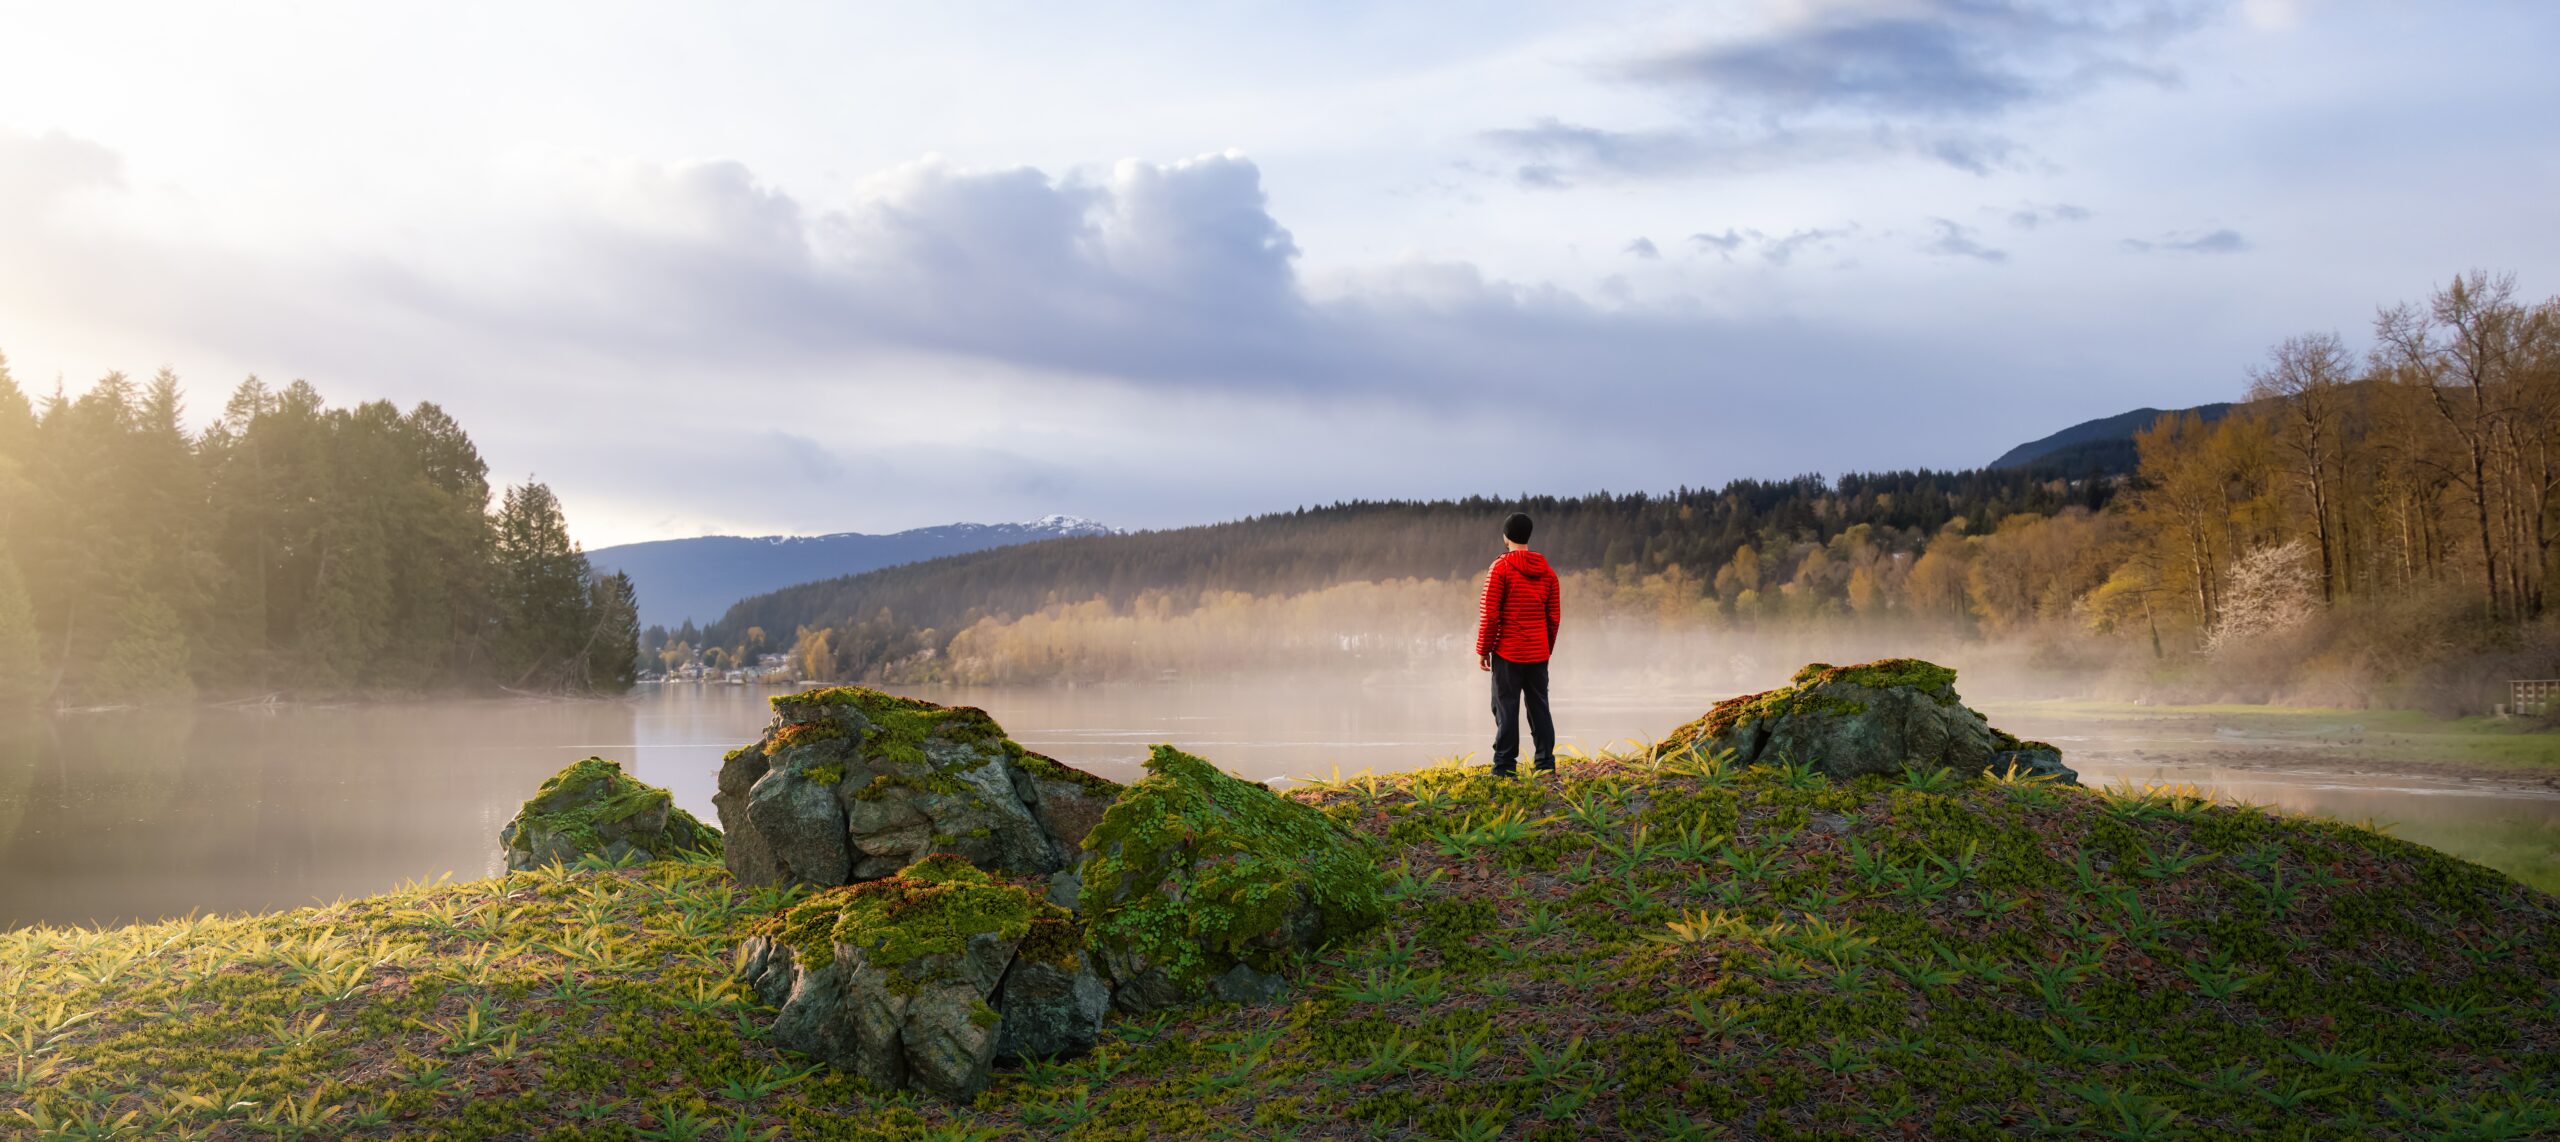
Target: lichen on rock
{"points": [[1193, 873], [852, 784], [594, 809], [1876, 717], [927, 977]]}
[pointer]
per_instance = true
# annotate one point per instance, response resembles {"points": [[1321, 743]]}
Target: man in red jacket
{"points": [[1522, 606]]}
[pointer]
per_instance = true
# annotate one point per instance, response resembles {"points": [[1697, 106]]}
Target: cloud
{"points": [[1926, 59], [1777, 250], [1864, 81], [1643, 248], [1164, 276], [2211, 242], [1723, 244], [2028, 216], [39, 172], [1564, 153], [1956, 241]]}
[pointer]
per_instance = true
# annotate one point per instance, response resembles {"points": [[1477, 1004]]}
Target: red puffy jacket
{"points": [[1522, 605]]}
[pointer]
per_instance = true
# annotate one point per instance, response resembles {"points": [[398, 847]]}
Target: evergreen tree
{"points": [[613, 648], [23, 684], [146, 662], [543, 609], [347, 627], [442, 530], [17, 437]]}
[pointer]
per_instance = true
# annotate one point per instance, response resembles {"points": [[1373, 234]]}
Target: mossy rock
{"points": [[1197, 882], [927, 978], [594, 809], [852, 784], [1876, 717]]}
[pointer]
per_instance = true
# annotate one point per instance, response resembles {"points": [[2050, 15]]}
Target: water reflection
{"points": [[143, 815]]}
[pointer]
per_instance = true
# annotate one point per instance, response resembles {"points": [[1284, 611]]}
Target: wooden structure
{"points": [[2532, 697]]}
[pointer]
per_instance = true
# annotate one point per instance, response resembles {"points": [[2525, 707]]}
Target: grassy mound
{"points": [[1623, 953]]}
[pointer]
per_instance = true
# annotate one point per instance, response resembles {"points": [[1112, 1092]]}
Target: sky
{"points": [[754, 268]]}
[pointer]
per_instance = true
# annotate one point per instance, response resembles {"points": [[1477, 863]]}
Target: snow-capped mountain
{"points": [[697, 579]]}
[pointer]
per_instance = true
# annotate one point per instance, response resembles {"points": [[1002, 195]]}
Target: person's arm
{"points": [[1555, 612], [1487, 617]]}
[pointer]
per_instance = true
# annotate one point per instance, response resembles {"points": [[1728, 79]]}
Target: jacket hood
{"points": [[1529, 564]]}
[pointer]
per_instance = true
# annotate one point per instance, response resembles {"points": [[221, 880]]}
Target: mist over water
{"points": [[141, 815]]}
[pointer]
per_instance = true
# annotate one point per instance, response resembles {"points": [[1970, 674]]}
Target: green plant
{"points": [[1477, 1126], [1461, 1055], [1550, 1066]]}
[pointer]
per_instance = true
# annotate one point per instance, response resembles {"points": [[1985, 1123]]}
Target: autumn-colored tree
{"points": [[2306, 382]]}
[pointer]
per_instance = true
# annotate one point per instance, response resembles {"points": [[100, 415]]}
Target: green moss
{"points": [[897, 731], [1805, 694], [1927, 677], [585, 806], [2008, 742], [1193, 869], [1049, 769], [894, 728], [931, 908], [791, 734]]}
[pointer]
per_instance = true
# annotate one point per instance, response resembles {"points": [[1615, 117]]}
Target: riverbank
{"points": [[1678, 953]]}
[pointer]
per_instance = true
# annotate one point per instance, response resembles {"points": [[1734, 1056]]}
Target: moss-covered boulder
{"points": [[592, 808], [1199, 884], [851, 784], [926, 978], [1878, 717]]}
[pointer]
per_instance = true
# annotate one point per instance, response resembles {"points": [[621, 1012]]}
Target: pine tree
{"points": [[17, 437], [23, 684], [347, 626], [613, 651], [146, 663], [541, 593]]}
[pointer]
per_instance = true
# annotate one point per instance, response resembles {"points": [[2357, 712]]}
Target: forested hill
{"points": [[2104, 445], [1316, 547]]}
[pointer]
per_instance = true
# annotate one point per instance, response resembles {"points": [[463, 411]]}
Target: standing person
{"points": [[1515, 636]]}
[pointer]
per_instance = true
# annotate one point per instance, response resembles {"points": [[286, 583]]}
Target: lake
{"points": [[157, 813]]}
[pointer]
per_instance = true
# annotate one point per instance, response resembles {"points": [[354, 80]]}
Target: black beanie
{"points": [[1516, 529]]}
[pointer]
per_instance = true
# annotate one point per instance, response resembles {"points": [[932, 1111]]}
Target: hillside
{"points": [[696, 580], [2103, 446], [1635, 951], [1311, 548]]}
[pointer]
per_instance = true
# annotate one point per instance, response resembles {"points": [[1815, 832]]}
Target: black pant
{"points": [[1513, 682]]}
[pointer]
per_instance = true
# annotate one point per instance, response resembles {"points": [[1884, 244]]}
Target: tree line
{"points": [[892, 621], [287, 547]]}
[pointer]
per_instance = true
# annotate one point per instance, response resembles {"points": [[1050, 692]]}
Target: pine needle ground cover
{"points": [[1629, 951]]}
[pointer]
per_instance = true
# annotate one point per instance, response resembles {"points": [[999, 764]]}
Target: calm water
{"points": [[141, 815]]}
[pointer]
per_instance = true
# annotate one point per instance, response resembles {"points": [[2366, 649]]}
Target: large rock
{"points": [[1880, 717], [1194, 875], [593, 809], [851, 784], [926, 978]]}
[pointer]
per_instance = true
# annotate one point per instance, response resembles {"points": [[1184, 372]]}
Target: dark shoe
{"points": [[1506, 773]]}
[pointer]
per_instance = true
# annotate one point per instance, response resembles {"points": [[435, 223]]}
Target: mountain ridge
{"points": [[697, 579], [2103, 445]]}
